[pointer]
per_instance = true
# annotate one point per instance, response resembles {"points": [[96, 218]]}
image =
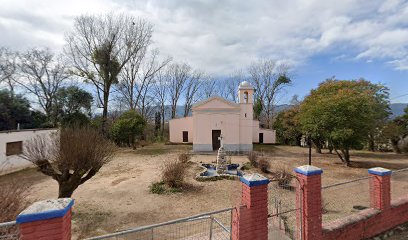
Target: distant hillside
{"points": [[397, 109]]}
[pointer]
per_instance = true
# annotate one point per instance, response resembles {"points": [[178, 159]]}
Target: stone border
{"points": [[216, 177]]}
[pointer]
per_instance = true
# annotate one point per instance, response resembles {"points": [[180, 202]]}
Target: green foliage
{"points": [[129, 126], [14, 109], [288, 129], [109, 66], [158, 188], [257, 108], [395, 131], [344, 112], [72, 106]]}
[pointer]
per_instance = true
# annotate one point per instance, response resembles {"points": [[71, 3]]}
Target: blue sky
{"points": [[321, 67], [316, 38]]}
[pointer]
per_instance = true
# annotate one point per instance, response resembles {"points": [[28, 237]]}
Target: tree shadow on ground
{"points": [[384, 164]]}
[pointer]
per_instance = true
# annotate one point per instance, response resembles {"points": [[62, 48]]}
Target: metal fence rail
{"points": [[9, 231], [212, 225], [343, 199], [399, 183]]}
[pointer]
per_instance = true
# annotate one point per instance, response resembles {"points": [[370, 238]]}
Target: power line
{"points": [[403, 95]]}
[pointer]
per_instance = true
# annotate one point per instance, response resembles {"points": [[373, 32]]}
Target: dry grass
{"points": [[184, 157], [253, 158], [173, 173], [13, 200], [264, 165]]}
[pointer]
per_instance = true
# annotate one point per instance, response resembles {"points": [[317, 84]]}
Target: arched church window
{"points": [[246, 97]]}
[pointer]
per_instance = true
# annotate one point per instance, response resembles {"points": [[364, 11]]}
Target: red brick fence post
{"points": [[250, 219], [46, 220], [309, 200], [380, 188]]}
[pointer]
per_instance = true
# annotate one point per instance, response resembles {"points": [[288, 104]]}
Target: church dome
{"points": [[245, 85]]}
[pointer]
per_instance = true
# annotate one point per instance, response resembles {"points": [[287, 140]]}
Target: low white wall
{"points": [[14, 163]]}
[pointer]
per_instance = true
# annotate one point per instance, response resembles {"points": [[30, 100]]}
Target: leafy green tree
{"points": [[129, 126], [73, 106], [288, 129], [396, 131], [14, 109], [344, 113]]}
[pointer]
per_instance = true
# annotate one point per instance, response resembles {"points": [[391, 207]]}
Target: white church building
{"points": [[217, 116]]}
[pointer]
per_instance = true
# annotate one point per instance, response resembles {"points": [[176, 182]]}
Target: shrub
{"points": [[13, 201], [283, 177], [158, 188], [253, 157], [173, 173], [129, 126], [184, 157], [263, 165]]}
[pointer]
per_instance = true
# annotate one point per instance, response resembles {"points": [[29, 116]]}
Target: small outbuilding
{"points": [[12, 144], [216, 117]]}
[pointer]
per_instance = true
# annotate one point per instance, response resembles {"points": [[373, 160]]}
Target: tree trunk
{"points": [[105, 113], [318, 147], [66, 189], [346, 156], [394, 143], [371, 144]]}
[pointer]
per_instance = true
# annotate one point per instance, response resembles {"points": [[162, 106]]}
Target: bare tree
{"points": [[42, 74], [71, 157], [178, 75], [193, 84], [101, 45], [268, 78], [8, 66], [210, 87], [231, 83], [160, 89], [137, 79]]}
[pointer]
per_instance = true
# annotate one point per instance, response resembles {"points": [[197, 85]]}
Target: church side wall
{"points": [[177, 126], [269, 135]]}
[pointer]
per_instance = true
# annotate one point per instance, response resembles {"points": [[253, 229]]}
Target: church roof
{"points": [[202, 103]]}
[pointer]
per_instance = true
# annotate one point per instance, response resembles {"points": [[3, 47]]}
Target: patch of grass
{"points": [[152, 151], [158, 188], [88, 219], [265, 148], [246, 166], [161, 188]]}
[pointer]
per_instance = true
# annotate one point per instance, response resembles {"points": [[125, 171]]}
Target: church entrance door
{"points": [[215, 139]]}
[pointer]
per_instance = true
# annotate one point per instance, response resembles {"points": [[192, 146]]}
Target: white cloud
{"points": [[221, 36]]}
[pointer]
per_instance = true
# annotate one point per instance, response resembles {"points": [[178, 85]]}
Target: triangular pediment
{"points": [[215, 103]]}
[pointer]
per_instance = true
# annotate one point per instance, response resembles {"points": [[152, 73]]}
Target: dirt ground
{"points": [[118, 196]]}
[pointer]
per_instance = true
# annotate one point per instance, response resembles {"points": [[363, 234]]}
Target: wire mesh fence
{"points": [[399, 184], [343, 199], [9, 231], [213, 225], [283, 208]]}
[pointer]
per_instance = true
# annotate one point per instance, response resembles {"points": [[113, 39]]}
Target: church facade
{"points": [[217, 117]]}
